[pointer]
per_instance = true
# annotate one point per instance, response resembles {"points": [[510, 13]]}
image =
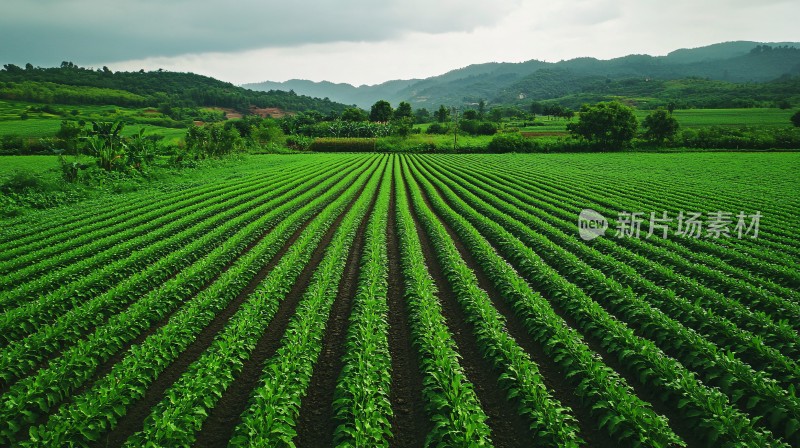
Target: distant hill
{"points": [[733, 63], [69, 84], [361, 96]]}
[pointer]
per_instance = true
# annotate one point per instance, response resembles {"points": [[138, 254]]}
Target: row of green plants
{"points": [[615, 407], [361, 401], [274, 406], [763, 256], [552, 423], [753, 391], [109, 396], [682, 196], [550, 205], [698, 403], [450, 399], [343, 145], [757, 258], [45, 267], [766, 256], [161, 270], [776, 333], [50, 386], [102, 234], [94, 215], [176, 419], [35, 308], [698, 313]]}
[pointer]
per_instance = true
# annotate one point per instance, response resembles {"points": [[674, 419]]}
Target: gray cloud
{"points": [[48, 31]]}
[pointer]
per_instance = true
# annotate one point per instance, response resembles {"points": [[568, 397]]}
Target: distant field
{"points": [[34, 164], [730, 117], [30, 128], [41, 124], [691, 118]]}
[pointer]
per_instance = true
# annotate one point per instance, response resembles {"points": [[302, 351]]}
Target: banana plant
{"points": [[105, 143]]}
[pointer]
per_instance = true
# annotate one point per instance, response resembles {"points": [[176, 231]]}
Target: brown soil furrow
{"points": [[410, 423], [226, 414], [553, 374], [316, 422], [508, 428], [644, 393], [106, 366], [134, 419]]}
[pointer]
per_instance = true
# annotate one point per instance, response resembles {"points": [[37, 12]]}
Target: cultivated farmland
{"points": [[391, 300]]}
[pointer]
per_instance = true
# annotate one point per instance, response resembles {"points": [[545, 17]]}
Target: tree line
{"points": [[146, 88]]}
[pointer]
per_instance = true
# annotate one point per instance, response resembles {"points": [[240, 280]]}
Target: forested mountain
{"points": [[70, 84], [715, 69]]}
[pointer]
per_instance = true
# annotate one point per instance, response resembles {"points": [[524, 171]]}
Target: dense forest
{"points": [[71, 84]]}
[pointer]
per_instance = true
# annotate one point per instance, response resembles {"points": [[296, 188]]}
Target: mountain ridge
{"points": [[735, 62]]}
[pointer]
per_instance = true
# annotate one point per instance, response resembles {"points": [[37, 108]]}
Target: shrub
{"points": [[796, 119], [437, 128], [299, 142], [475, 127], [21, 181], [510, 142]]}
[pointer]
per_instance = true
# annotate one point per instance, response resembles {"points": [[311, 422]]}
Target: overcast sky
{"points": [[368, 42]]}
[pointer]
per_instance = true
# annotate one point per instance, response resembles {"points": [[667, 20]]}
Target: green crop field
{"points": [[773, 118], [603, 300], [30, 128], [31, 164], [42, 124], [690, 118]]}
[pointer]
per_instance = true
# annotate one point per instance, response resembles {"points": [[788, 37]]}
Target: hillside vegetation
{"points": [[70, 84], [732, 74]]}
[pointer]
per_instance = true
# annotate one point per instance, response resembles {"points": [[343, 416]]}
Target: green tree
{"points": [[381, 111], [476, 127], [470, 114], [403, 126], [354, 114], [442, 115], [403, 111], [510, 142], [610, 125], [660, 126], [796, 119], [422, 115], [68, 136], [212, 140], [481, 109]]}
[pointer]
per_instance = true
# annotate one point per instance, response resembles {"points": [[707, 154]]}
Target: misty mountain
{"points": [[509, 83]]}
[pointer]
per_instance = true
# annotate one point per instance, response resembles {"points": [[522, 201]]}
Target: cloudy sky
{"points": [[368, 42]]}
